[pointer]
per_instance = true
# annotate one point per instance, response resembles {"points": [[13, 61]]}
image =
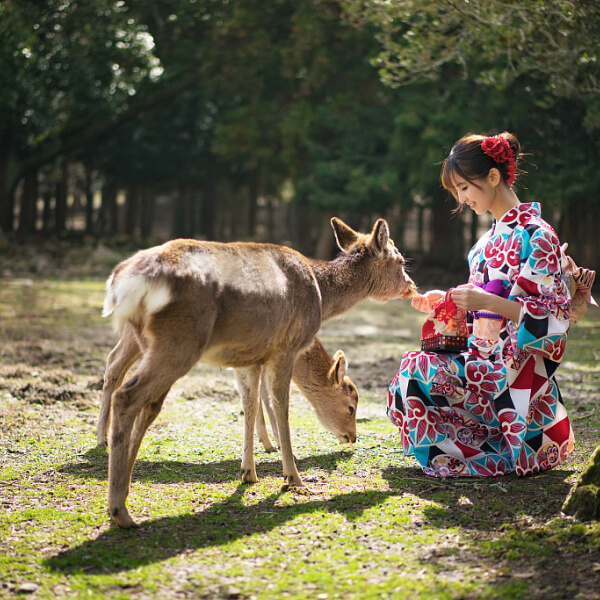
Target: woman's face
{"points": [[478, 195]]}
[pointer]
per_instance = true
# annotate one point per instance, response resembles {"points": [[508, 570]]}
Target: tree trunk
{"points": [[131, 209], [421, 229], [579, 227], [28, 211], [270, 206], [89, 203], [238, 213], [325, 242], [47, 211], [446, 247], [146, 212], [60, 209], [8, 183], [108, 209], [253, 193], [208, 212], [583, 501], [180, 213]]}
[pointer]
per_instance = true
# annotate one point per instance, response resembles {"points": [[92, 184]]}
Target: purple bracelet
{"points": [[480, 314]]}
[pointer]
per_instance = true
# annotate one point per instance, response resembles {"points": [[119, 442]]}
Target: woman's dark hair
{"points": [[468, 161]]}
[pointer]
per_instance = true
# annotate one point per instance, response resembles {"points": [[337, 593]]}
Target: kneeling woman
{"points": [[496, 407]]}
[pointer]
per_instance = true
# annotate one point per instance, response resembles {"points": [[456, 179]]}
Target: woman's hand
{"points": [[424, 302], [471, 297]]}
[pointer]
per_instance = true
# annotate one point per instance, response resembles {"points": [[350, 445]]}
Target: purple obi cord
{"points": [[496, 287]]}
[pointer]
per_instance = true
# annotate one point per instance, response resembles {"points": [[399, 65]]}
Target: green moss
{"points": [[583, 501]]}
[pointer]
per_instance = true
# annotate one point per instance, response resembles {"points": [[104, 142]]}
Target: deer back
{"points": [[246, 300]]}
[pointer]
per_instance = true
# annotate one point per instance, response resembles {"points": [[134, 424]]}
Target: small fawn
{"points": [[323, 382]]}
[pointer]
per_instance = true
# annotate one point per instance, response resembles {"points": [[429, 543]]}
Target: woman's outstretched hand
{"points": [[424, 302]]}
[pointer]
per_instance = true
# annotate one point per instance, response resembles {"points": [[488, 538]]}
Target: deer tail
{"points": [[134, 296]]}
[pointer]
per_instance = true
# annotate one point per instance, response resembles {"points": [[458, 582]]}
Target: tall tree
{"points": [[71, 71], [554, 41]]}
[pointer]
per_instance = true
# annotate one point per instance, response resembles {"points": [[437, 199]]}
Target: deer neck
{"points": [[343, 284]]}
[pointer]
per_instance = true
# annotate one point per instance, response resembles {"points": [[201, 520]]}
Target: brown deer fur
{"points": [[249, 306], [323, 382]]}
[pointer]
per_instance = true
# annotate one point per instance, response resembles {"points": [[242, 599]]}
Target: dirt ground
{"points": [[52, 355]]}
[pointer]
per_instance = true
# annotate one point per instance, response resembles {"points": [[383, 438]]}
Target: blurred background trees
{"points": [[238, 119]]}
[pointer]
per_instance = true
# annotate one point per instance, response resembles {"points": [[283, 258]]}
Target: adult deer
{"points": [[321, 379], [323, 382], [249, 306]]}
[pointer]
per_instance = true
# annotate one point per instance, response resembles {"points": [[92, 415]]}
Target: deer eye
{"points": [[351, 410]]}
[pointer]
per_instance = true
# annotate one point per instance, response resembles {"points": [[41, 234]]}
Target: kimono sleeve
{"points": [[542, 292]]}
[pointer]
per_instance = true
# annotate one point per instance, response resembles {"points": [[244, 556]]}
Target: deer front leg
{"points": [[248, 381], [120, 360], [261, 430], [261, 426], [279, 376]]}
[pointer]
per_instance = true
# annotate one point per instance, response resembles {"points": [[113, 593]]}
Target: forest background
{"points": [[135, 121]]}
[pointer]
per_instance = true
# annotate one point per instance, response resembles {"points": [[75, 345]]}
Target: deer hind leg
{"points": [[138, 403], [120, 360], [279, 376], [261, 426], [143, 421], [248, 381]]}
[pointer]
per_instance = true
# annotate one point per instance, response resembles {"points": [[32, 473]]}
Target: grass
{"points": [[370, 526]]}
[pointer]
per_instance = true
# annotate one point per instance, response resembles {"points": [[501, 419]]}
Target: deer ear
{"points": [[345, 236], [337, 372], [380, 235]]}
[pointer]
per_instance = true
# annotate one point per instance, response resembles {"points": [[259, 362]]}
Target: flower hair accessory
{"points": [[498, 148]]}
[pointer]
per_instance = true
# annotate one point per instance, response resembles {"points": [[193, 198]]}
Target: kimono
{"points": [[496, 407]]}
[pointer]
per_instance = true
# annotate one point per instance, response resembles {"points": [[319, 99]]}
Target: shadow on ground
{"points": [[491, 504], [94, 465]]}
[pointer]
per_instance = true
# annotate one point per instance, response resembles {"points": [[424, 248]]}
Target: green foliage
{"points": [[64, 62], [493, 40]]}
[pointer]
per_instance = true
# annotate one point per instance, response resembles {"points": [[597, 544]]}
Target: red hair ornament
{"points": [[498, 148]]}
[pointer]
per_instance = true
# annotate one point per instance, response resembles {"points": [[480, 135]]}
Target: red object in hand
{"points": [[445, 329]]}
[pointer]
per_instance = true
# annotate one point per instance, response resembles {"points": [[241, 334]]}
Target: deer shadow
{"points": [[492, 503], [117, 550], [94, 465]]}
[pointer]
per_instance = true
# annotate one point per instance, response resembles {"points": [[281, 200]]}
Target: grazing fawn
{"points": [[249, 306], [323, 382]]}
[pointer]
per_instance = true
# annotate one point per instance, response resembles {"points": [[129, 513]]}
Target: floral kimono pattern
{"points": [[495, 408]]}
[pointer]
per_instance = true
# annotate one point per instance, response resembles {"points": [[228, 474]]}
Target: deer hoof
{"points": [[248, 476], [292, 483], [121, 517]]}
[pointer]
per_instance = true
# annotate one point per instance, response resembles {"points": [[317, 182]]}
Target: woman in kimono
{"points": [[494, 408]]}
